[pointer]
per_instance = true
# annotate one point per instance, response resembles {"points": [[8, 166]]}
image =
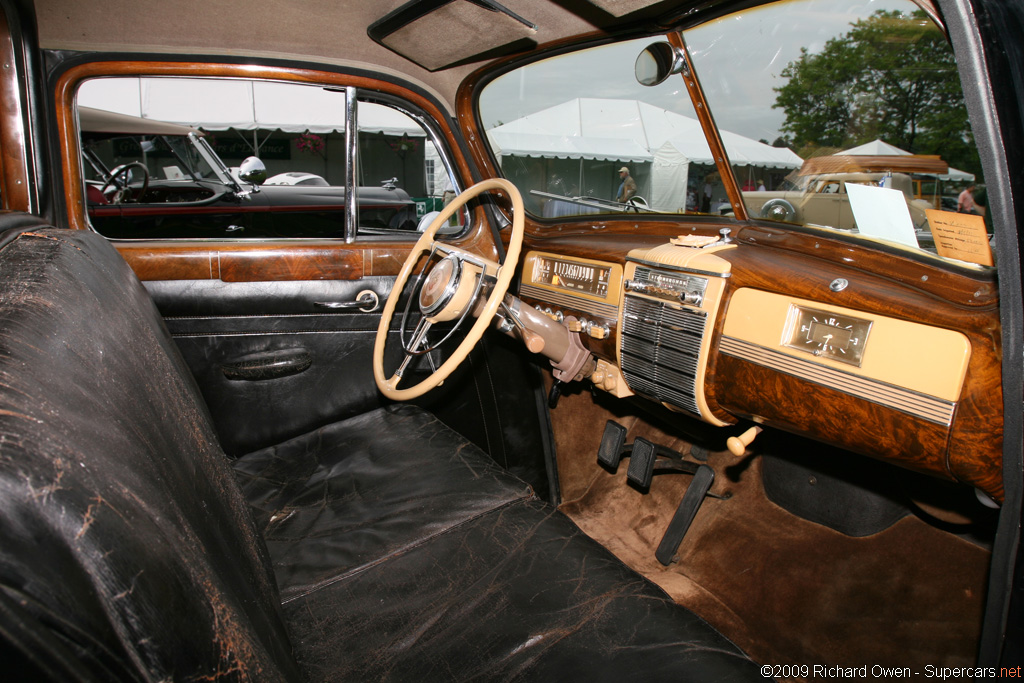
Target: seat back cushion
{"points": [[126, 549]]}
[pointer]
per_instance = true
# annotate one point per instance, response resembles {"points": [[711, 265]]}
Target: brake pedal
{"points": [[609, 453], [641, 463]]}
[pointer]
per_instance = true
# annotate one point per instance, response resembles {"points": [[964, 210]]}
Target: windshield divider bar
{"points": [[707, 123]]}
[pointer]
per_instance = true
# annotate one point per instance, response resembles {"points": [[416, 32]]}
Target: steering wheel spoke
{"points": [[450, 291], [489, 267], [419, 337], [418, 340], [124, 192]]}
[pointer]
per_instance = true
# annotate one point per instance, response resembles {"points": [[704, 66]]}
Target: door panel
{"points": [[242, 307], [270, 362]]}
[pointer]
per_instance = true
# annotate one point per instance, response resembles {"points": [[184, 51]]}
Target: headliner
{"points": [[324, 31], [331, 32]]}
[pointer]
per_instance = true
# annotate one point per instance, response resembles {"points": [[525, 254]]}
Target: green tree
{"points": [[891, 77]]}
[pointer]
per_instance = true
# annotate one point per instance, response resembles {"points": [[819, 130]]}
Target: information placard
{"points": [[961, 236]]}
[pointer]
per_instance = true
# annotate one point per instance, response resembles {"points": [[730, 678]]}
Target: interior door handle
{"points": [[367, 301], [269, 365]]}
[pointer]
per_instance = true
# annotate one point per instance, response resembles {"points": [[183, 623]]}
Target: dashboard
{"points": [[721, 329]]}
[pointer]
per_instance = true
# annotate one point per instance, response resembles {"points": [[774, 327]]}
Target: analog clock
{"points": [[827, 335]]}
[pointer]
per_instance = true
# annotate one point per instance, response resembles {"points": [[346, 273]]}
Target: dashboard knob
{"points": [[634, 286], [737, 445], [692, 298]]}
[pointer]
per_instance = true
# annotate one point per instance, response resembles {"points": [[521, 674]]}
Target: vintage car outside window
{"points": [[839, 114], [174, 158]]}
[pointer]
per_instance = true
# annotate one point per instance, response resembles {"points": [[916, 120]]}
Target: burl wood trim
{"points": [[828, 415], [241, 260], [973, 452], [976, 443], [973, 287], [14, 180], [902, 289]]}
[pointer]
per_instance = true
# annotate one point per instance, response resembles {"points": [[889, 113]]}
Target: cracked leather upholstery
{"points": [[128, 551], [342, 497], [517, 594]]}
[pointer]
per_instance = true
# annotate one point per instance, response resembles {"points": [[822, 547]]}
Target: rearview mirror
{"points": [[656, 63]]}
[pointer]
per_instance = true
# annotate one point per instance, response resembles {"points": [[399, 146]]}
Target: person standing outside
{"points": [[627, 188], [965, 202], [705, 198]]}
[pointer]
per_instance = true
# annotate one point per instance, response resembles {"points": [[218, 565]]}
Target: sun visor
{"points": [[437, 34], [620, 8]]}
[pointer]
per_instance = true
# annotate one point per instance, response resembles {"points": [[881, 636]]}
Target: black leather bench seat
{"points": [[517, 594], [129, 551], [403, 552], [342, 497]]}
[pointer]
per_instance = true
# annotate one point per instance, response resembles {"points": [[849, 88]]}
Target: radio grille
{"points": [[661, 350]]}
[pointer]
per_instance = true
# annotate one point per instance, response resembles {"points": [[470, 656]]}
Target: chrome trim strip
{"points": [[608, 311], [351, 154], [926, 407]]}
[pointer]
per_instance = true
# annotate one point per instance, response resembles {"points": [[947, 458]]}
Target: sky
{"points": [[738, 58]]}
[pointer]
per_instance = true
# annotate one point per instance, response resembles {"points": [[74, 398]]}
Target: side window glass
{"points": [[402, 175], [226, 158]]}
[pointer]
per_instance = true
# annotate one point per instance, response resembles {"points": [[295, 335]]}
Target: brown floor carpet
{"points": [[784, 589]]}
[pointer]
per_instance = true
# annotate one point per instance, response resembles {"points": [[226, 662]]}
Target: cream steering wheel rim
{"points": [[389, 386]]}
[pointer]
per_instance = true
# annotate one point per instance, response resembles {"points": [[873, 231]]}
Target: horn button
{"points": [[446, 292]]}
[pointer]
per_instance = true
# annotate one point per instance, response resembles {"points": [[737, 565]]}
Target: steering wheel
{"points": [[125, 169], [450, 291]]}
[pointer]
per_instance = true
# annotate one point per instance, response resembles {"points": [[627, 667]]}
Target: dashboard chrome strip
{"points": [[609, 311], [681, 269], [920, 405]]}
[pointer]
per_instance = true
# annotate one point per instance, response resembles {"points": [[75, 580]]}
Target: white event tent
{"points": [[630, 131], [250, 106], [216, 105], [882, 148]]}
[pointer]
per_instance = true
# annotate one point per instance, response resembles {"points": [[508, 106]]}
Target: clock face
{"points": [[827, 335]]}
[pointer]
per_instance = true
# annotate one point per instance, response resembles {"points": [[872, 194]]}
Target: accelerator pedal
{"points": [[684, 515]]}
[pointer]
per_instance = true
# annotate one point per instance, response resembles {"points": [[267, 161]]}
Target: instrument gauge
{"points": [[827, 335], [572, 276]]}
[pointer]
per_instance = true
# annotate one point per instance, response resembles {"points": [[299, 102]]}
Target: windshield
{"points": [[846, 115], [168, 157]]}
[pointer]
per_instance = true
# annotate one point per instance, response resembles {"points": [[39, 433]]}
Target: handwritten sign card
{"points": [[882, 212], [960, 236]]}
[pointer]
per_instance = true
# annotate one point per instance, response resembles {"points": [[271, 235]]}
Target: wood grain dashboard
{"points": [[893, 370]]}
